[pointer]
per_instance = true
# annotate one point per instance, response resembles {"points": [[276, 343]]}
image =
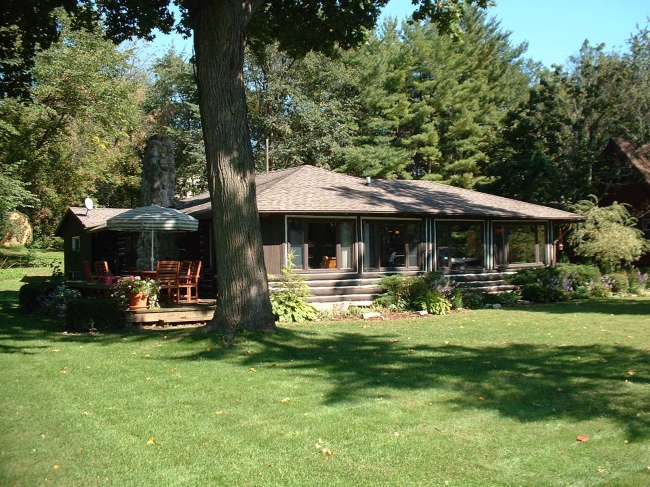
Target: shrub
{"points": [[637, 281], [473, 299], [288, 299], [580, 274], [620, 282], [398, 289], [55, 303], [30, 296], [540, 293], [419, 292], [434, 302], [94, 314]]}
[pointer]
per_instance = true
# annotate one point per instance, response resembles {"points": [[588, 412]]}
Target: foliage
{"points": [[544, 292], [77, 135], [428, 106], [30, 296], [472, 299], [434, 302], [637, 281], [288, 297], [136, 285], [620, 282], [98, 314], [302, 107], [13, 192], [433, 292], [551, 147], [56, 302], [608, 235], [507, 298], [573, 281]]}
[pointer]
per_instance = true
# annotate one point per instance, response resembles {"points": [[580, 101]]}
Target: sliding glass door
{"points": [[321, 243], [392, 244]]}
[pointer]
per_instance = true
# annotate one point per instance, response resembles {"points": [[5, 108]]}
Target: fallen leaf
{"points": [[396, 433], [208, 349], [481, 398], [218, 412], [272, 365], [147, 378], [86, 413], [285, 400], [56, 350], [147, 356], [253, 369], [630, 372], [56, 467], [537, 405], [327, 452], [150, 441], [582, 438], [64, 370]]}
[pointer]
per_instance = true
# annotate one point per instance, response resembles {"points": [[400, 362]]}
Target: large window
{"points": [[459, 245], [519, 243], [322, 244], [392, 244]]}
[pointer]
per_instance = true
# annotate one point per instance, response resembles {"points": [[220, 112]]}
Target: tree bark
{"points": [[242, 284]]}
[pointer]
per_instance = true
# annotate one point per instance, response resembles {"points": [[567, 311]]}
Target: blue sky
{"points": [[554, 29]]}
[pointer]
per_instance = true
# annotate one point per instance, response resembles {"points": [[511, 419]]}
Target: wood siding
{"points": [[272, 240]]}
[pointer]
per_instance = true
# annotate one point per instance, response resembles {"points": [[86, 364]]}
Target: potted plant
{"points": [[138, 293]]}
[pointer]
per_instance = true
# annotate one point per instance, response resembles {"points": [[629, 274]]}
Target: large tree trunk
{"points": [[219, 43]]}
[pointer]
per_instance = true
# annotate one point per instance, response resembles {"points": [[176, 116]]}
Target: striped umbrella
{"points": [[153, 218]]}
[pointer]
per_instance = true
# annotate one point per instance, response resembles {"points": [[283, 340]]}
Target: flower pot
{"points": [[137, 301]]}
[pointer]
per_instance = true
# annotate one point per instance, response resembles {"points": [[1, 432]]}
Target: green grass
{"points": [[482, 398], [16, 261]]}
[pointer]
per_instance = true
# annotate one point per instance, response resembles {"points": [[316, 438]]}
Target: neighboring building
{"points": [[629, 182], [346, 231]]}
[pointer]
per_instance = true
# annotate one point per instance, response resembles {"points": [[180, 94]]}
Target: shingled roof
{"points": [[638, 156], [310, 190], [92, 220]]}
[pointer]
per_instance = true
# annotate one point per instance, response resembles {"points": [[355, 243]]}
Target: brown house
{"points": [[629, 182], [344, 232]]}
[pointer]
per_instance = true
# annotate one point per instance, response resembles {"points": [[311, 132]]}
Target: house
{"points": [[344, 232], [629, 179]]}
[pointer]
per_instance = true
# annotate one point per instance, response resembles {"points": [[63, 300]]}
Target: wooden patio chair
{"points": [[190, 281], [101, 270], [90, 277], [167, 273]]}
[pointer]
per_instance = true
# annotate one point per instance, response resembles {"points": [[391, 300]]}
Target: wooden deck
{"points": [[200, 312]]}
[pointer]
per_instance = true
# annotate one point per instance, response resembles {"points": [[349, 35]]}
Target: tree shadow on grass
{"points": [[520, 381], [627, 306]]}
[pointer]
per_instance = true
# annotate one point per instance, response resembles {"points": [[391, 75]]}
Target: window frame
{"points": [[407, 266], [538, 245], [305, 220], [75, 243], [436, 237]]}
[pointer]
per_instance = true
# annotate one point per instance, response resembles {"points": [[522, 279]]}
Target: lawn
{"points": [[480, 398]]}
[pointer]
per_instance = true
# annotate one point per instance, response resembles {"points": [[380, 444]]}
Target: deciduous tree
{"points": [[222, 29]]}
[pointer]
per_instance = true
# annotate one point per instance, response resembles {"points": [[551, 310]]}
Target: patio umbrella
{"points": [[153, 218]]}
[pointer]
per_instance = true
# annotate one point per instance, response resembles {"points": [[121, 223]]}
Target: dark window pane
{"points": [[296, 243], [521, 244]]}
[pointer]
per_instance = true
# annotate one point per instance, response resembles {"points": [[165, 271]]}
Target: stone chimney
{"points": [[157, 188]]}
